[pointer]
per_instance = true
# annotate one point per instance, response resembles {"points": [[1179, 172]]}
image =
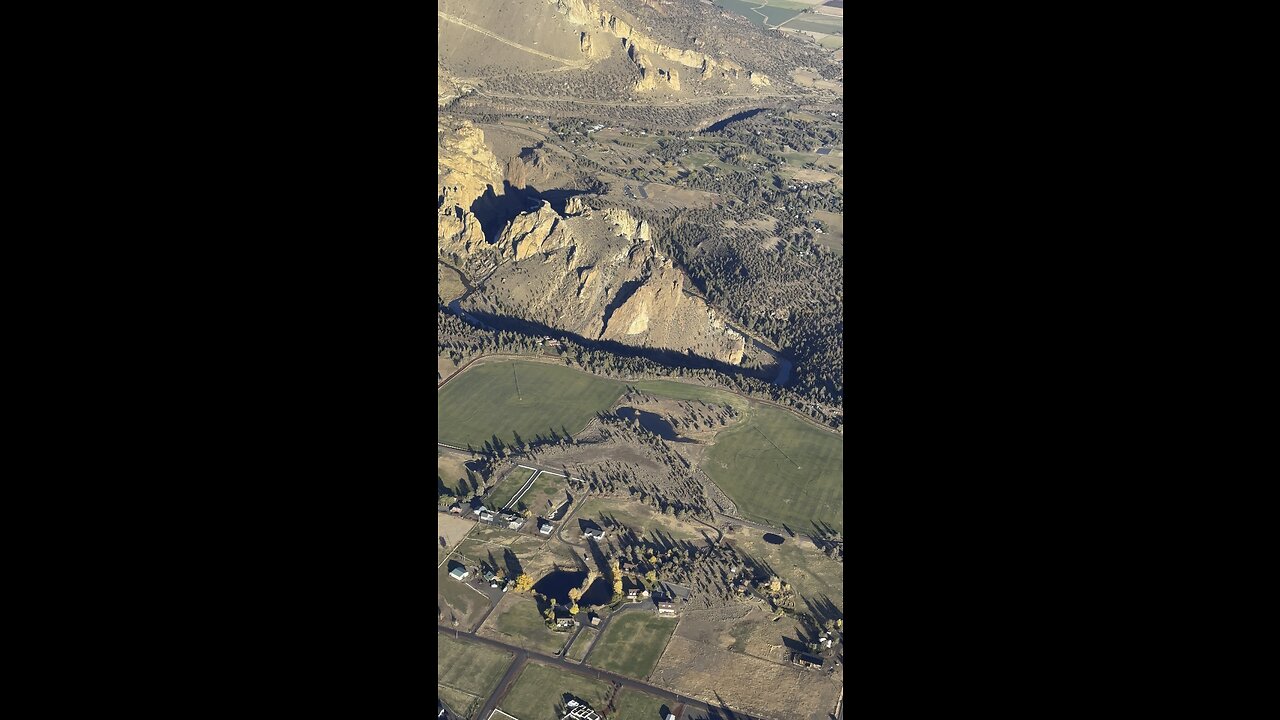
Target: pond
{"points": [[654, 424], [769, 538], [557, 585]]}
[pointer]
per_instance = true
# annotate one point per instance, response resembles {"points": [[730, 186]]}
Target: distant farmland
{"points": [[756, 464], [519, 398]]}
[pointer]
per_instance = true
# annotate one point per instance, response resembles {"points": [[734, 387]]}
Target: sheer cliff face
{"points": [[592, 272], [466, 167], [656, 73]]}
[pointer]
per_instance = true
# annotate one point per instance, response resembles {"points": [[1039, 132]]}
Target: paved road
{"points": [[523, 656]]}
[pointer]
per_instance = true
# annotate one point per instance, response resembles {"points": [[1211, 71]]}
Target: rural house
{"points": [[459, 573], [633, 594], [808, 661], [579, 711], [666, 608], [455, 509], [545, 527]]}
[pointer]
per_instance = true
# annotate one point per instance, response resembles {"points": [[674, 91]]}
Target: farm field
{"points": [[636, 705], [452, 472], [517, 621], [826, 24], [762, 688], [473, 670], [755, 463], [547, 488], [484, 402], [766, 13], [581, 644], [507, 487], [538, 693], [833, 238], [457, 599], [686, 391], [453, 529], [632, 644]]}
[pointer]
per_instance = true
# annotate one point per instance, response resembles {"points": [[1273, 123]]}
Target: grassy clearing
{"points": [[463, 703], [828, 24], [581, 644], [519, 398], [517, 621], [632, 644], [833, 238], [685, 391], [538, 694], [546, 488], [832, 42], [640, 518], [466, 604], [453, 474], [508, 487], [635, 705], [756, 463], [813, 575], [467, 668]]}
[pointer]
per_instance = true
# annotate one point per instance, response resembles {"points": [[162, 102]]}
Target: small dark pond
{"points": [[768, 537], [557, 585], [654, 424]]}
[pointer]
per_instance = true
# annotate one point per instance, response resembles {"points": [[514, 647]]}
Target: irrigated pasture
{"points": [[539, 692], [507, 487], [468, 669], [632, 644], [781, 470], [516, 620], [519, 400]]}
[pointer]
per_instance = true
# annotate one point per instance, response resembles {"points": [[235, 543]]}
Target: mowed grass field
{"points": [[484, 401], [636, 705], [517, 621], [756, 464], [467, 668], [509, 486], [538, 693], [632, 644]]}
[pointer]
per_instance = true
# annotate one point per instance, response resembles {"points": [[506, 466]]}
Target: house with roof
{"points": [[459, 573], [666, 608], [545, 527], [805, 660], [578, 710]]}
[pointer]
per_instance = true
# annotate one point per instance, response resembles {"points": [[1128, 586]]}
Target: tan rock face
{"points": [[532, 233], [589, 13], [458, 232], [466, 167], [627, 225]]}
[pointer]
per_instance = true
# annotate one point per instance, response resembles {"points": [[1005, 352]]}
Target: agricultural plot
{"points": [[470, 671], [581, 645], [817, 23], [546, 491], [519, 401], [517, 621], [766, 13], [453, 529], [833, 238], [538, 694], [636, 705], [687, 391], [781, 470], [454, 477], [456, 600], [761, 688], [632, 644], [508, 487]]}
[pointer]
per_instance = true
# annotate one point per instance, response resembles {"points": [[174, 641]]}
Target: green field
{"points": [[538, 693], [467, 670], [776, 11], [635, 705], [829, 26], [756, 464], [633, 643], [509, 486], [483, 402], [686, 391], [517, 621], [467, 604], [578, 649]]}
